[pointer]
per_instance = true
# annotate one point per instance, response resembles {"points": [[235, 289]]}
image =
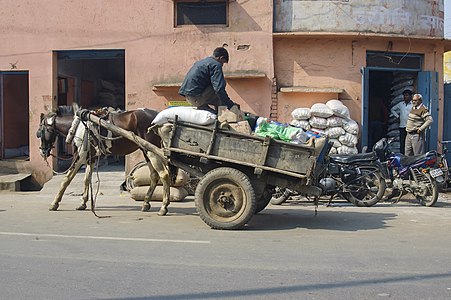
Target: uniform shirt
{"points": [[419, 118], [401, 111], [204, 73]]}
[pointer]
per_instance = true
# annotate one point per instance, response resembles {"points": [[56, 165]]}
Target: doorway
{"points": [[387, 75], [385, 91], [92, 79], [14, 115]]}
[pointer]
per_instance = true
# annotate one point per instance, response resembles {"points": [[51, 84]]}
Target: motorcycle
{"points": [[419, 175], [443, 165], [359, 178]]}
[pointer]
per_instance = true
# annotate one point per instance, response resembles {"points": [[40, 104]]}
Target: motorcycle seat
{"points": [[353, 158], [408, 160]]}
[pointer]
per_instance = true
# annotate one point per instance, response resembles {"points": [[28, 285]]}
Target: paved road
{"points": [[399, 251]]}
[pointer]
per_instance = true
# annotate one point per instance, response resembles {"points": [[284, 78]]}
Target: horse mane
{"points": [[64, 110]]}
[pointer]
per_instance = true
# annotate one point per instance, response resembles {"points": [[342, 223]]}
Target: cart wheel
{"points": [[225, 198], [264, 199]]}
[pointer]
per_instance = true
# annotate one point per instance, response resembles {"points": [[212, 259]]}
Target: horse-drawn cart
{"points": [[238, 171]]}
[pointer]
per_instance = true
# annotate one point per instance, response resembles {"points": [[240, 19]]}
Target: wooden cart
{"points": [[240, 171]]}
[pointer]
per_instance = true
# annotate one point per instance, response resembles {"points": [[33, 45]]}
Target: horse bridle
{"points": [[46, 144]]}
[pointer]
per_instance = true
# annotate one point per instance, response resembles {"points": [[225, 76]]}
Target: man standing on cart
{"points": [[204, 84]]}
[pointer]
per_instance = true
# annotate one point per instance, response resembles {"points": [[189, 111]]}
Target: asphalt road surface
{"points": [[389, 251]]}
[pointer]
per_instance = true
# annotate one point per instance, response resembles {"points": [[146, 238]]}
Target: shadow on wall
{"points": [[255, 94]]}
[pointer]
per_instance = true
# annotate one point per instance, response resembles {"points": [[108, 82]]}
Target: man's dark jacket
{"points": [[202, 74]]}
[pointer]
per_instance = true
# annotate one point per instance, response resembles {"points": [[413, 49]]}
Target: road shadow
{"points": [[283, 219], [172, 211], [282, 291]]}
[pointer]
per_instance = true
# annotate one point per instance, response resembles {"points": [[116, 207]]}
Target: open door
{"points": [[428, 88], [365, 105], [14, 115]]}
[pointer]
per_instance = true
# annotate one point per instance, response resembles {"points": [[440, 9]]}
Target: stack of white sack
{"points": [[141, 183], [402, 82], [332, 120]]}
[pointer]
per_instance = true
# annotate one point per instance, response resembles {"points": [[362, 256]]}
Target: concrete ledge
{"points": [[11, 182]]}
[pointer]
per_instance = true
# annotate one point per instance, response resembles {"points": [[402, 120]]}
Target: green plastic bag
{"points": [[281, 132]]}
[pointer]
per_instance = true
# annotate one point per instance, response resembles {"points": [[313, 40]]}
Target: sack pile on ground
{"points": [[332, 120], [402, 82], [141, 183]]}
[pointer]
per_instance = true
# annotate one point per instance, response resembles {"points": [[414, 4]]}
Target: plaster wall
{"points": [[156, 51], [336, 63], [413, 17]]}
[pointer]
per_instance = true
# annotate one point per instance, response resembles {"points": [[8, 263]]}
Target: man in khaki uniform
{"points": [[418, 121]]}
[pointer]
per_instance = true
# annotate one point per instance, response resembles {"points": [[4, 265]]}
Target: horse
{"points": [[90, 145]]}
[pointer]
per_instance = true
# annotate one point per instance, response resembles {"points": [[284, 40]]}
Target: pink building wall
{"points": [[158, 55], [155, 51]]}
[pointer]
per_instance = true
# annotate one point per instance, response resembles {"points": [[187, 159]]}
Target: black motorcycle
{"points": [[359, 178]]}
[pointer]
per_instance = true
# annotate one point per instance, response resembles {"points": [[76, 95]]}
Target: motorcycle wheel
{"points": [[431, 194], [368, 190], [280, 196]]}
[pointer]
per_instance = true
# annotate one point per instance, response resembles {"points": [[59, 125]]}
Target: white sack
{"points": [[334, 103], [334, 121], [351, 126], [348, 139], [321, 110], [186, 114], [301, 113], [318, 122], [335, 132], [304, 124], [338, 108]]}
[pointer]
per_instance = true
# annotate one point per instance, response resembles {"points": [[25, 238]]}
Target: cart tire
{"points": [[225, 198], [263, 201]]}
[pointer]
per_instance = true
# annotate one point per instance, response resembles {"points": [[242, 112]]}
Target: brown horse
{"points": [[89, 145]]}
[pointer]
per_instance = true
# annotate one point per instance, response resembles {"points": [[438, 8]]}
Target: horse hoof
{"points": [[54, 207], [146, 207], [163, 212], [81, 207]]}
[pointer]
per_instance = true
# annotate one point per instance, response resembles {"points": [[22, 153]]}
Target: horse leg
{"points": [[86, 181], [153, 182], [163, 171], [65, 183]]}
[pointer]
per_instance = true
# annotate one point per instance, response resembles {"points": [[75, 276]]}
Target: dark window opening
{"points": [[389, 60], [201, 13]]}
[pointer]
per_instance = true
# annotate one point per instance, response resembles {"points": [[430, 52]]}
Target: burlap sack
{"points": [[141, 177], [176, 193]]}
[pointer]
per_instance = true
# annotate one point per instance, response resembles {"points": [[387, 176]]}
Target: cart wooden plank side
{"points": [[239, 171]]}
